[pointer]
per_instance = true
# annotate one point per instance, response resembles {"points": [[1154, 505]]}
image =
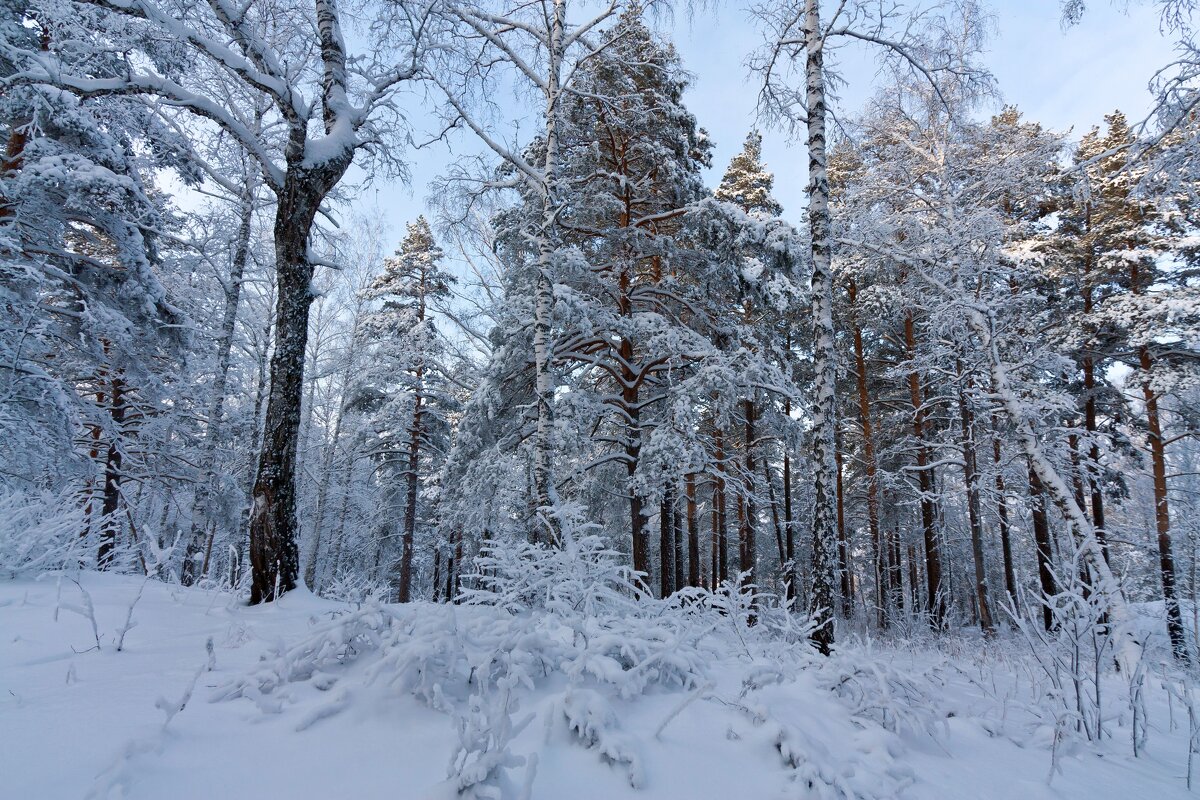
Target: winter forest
{"points": [[603, 473]]}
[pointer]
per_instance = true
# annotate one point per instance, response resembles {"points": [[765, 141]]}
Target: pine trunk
{"points": [[1162, 512], [935, 596], [693, 532], [788, 521], [846, 579], [666, 543], [404, 590], [864, 420], [747, 551], [971, 477], [720, 497], [1010, 573], [112, 477]]}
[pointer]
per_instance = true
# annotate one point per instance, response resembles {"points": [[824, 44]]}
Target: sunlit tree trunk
{"points": [[824, 354]]}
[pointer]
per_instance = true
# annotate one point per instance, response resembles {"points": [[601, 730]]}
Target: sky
{"points": [[1064, 79]]}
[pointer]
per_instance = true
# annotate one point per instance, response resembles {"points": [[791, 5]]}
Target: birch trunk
{"points": [[543, 300], [824, 354]]}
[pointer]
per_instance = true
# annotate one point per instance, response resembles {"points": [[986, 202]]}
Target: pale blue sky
{"points": [[1063, 79]]}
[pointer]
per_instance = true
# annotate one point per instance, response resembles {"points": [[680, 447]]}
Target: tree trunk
{"points": [[638, 520], [458, 561], [437, 574], [715, 545], [693, 532], [788, 521], [776, 525], [1041, 538], [1010, 573], [720, 497], [843, 545], [971, 477], [747, 551], [1162, 513], [1097, 491], [896, 567], [543, 298], [112, 476], [410, 492], [274, 555], [666, 543], [677, 535], [935, 600], [864, 420], [824, 354]]}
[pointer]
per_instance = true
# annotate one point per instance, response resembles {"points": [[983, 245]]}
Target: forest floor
{"points": [[951, 719]]}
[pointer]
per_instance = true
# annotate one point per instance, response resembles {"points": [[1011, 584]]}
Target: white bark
{"points": [[824, 355]]}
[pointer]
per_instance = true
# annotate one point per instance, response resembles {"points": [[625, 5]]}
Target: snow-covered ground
{"points": [[309, 698]]}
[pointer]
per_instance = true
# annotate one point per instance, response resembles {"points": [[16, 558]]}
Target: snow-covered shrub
{"points": [[592, 720], [1073, 658], [579, 606], [873, 688], [39, 532], [318, 657], [356, 588], [479, 765], [584, 577]]}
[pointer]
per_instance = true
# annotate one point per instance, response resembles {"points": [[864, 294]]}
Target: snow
{"points": [[77, 721]]}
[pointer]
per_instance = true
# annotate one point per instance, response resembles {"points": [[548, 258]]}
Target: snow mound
{"points": [[534, 699]]}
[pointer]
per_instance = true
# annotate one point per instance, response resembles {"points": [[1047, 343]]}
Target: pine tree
{"points": [[1110, 243], [409, 370], [747, 182]]}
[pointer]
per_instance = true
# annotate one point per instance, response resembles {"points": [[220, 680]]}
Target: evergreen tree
{"points": [[409, 375]]}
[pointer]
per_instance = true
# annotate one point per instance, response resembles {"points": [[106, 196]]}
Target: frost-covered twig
{"points": [[129, 621]]}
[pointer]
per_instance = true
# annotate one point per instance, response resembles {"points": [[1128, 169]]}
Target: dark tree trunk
{"points": [[693, 532], [1010, 572], [914, 578], [437, 574], [633, 448], [1041, 539], [666, 543], [450, 569], [720, 497], [458, 564], [896, 571], [788, 521], [677, 535], [864, 420], [971, 477], [776, 525], [1097, 491], [843, 545], [112, 477], [274, 555], [936, 599], [410, 493], [746, 545]]}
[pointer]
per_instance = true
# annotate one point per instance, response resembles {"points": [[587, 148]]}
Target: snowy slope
{"points": [[758, 722]]}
